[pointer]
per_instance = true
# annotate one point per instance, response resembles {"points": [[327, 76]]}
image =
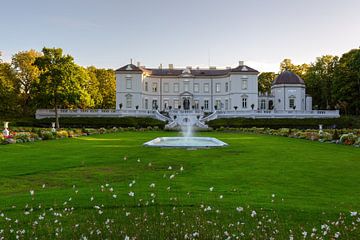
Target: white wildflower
{"points": [[353, 214], [32, 192], [131, 194], [239, 209], [253, 213], [152, 185], [211, 189]]}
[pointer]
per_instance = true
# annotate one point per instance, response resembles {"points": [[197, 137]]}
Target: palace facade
{"points": [[206, 89]]}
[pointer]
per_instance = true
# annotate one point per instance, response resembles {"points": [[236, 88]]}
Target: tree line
{"points": [[51, 79], [332, 81]]}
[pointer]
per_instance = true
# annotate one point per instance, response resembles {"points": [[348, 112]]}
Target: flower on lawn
{"points": [[32, 192], [353, 214], [211, 189], [253, 213], [239, 209], [131, 194]]}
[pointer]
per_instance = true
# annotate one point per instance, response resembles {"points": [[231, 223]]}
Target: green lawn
{"points": [[312, 182]]}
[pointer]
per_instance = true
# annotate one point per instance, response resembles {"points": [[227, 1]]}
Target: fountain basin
{"points": [[185, 142]]}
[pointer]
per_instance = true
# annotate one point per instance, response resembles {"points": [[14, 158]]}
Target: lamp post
{"points": [[6, 131]]}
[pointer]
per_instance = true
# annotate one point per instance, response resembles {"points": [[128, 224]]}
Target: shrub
{"points": [[62, 134], [105, 122], [348, 139], [47, 135], [276, 123]]}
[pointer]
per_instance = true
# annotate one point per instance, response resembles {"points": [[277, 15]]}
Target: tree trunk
{"points": [[56, 117]]}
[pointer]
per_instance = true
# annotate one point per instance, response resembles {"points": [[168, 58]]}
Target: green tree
{"points": [[27, 74], [59, 81], [107, 87], [9, 90], [265, 80], [347, 82], [300, 70], [319, 80]]}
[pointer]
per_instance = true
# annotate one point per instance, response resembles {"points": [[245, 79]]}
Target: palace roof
{"points": [[288, 77], [187, 72]]}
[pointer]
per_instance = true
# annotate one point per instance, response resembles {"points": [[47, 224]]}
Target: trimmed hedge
{"points": [[275, 123], [82, 122]]}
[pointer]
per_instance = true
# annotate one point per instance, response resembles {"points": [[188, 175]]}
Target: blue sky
{"points": [[186, 33]]}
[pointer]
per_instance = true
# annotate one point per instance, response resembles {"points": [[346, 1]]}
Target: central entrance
{"points": [[186, 100], [186, 103]]}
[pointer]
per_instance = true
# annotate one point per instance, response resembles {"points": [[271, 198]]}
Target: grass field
{"points": [[102, 186]]}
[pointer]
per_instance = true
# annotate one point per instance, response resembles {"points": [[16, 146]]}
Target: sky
{"points": [[108, 33]]}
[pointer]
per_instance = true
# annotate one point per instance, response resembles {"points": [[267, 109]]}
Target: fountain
{"points": [[187, 140]]}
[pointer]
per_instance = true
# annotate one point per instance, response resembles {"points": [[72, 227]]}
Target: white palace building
{"points": [[186, 95]]}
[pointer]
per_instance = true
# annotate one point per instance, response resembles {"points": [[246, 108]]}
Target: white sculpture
{"points": [[6, 131]]}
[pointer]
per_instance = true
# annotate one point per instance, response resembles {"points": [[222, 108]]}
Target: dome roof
{"points": [[288, 77]]}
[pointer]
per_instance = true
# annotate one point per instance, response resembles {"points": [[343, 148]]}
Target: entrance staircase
{"points": [[179, 118]]}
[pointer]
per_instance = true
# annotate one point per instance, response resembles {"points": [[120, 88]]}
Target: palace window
{"points": [[196, 104], [154, 104], [244, 102], [291, 102], [217, 87], [176, 87], [166, 87], [128, 83], [128, 101], [196, 87], [218, 104], [176, 104], [166, 104], [226, 104], [146, 87], [206, 104], [226, 87], [146, 104], [206, 87], [186, 86], [262, 104], [244, 84], [154, 87]]}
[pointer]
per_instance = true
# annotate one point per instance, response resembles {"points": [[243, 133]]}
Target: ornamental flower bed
{"points": [[28, 134], [338, 136]]}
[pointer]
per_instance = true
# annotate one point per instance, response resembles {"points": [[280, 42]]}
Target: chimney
{"points": [[160, 67], [171, 66], [138, 64], [241, 63]]}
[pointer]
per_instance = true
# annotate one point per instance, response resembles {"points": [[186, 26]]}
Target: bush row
{"points": [[31, 134], [81, 122], [340, 136], [276, 123]]}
